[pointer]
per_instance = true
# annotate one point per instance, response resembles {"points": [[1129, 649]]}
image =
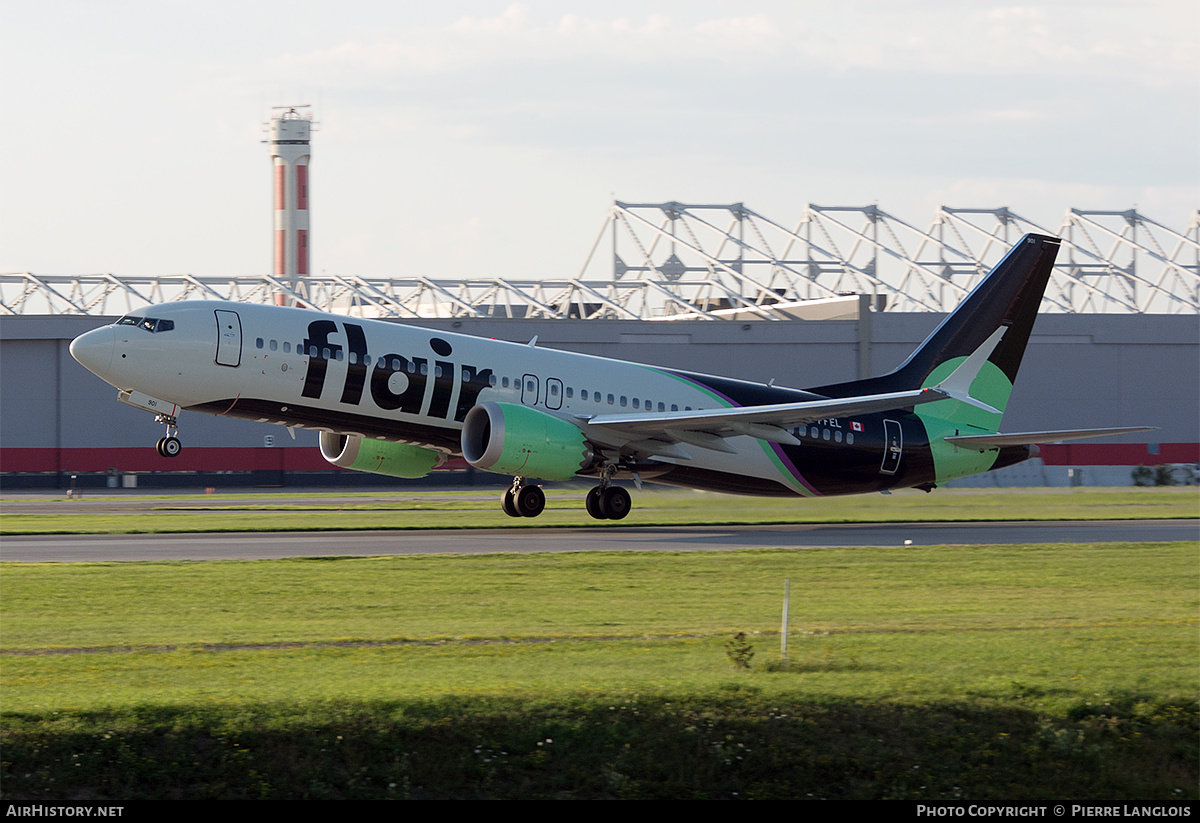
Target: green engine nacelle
{"points": [[510, 439], [352, 451]]}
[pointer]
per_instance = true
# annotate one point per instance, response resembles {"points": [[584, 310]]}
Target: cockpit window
{"points": [[150, 324]]}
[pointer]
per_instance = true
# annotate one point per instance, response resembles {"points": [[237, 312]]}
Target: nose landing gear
{"points": [[169, 446]]}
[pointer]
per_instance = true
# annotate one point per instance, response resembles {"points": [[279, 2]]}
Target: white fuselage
{"points": [[383, 380]]}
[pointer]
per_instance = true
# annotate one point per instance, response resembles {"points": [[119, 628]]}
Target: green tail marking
{"points": [[949, 417]]}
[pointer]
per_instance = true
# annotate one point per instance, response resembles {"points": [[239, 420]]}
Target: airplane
{"points": [[401, 400]]}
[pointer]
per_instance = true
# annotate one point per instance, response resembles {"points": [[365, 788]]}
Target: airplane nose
{"points": [[94, 350]]}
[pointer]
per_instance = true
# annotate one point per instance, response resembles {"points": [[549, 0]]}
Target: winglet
{"points": [[958, 384]]}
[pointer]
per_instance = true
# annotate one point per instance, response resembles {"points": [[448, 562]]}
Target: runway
{"points": [[275, 545]]}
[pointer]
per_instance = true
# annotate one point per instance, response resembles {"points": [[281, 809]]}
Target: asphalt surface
{"points": [[269, 545]]}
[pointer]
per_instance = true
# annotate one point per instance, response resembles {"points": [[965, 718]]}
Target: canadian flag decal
{"points": [[855, 426]]}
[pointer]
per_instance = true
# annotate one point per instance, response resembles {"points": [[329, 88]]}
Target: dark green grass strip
{"points": [[720, 746]]}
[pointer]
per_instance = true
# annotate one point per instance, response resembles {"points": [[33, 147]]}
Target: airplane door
{"points": [[893, 446], [554, 390], [229, 338], [529, 390]]}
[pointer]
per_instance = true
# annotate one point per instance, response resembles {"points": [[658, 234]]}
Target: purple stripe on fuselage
{"points": [[776, 447]]}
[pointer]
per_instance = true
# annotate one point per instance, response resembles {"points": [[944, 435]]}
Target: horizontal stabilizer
{"points": [[983, 442]]}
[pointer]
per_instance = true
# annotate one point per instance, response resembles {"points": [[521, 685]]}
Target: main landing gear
{"points": [[607, 502], [169, 446], [604, 502], [522, 500]]}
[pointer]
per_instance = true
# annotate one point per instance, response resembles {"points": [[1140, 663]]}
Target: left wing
{"points": [[658, 433], [764, 419]]}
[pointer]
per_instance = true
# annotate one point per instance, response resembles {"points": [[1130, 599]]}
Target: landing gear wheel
{"points": [[615, 503], [168, 446], [509, 504], [592, 502], [530, 501]]}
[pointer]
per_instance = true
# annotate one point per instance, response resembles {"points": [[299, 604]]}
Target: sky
{"points": [[467, 139]]}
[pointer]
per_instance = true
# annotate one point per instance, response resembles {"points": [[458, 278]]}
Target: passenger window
{"points": [[287, 347], [258, 344], [274, 345], [636, 404], [611, 400], [661, 407]]}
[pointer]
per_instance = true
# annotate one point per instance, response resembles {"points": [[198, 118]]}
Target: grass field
{"points": [[1064, 672], [250, 511]]}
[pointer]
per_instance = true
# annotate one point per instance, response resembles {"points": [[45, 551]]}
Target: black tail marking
{"points": [[1009, 296]]}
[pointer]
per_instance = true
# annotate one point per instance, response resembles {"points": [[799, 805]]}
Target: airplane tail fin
{"points": [[1008, 298]]}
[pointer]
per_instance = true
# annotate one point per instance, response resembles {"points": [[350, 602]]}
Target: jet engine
{"points": [[511, 439], [352, 451]]}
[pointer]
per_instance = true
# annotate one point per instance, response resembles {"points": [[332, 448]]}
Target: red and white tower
{"points": [[290, 154]]}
